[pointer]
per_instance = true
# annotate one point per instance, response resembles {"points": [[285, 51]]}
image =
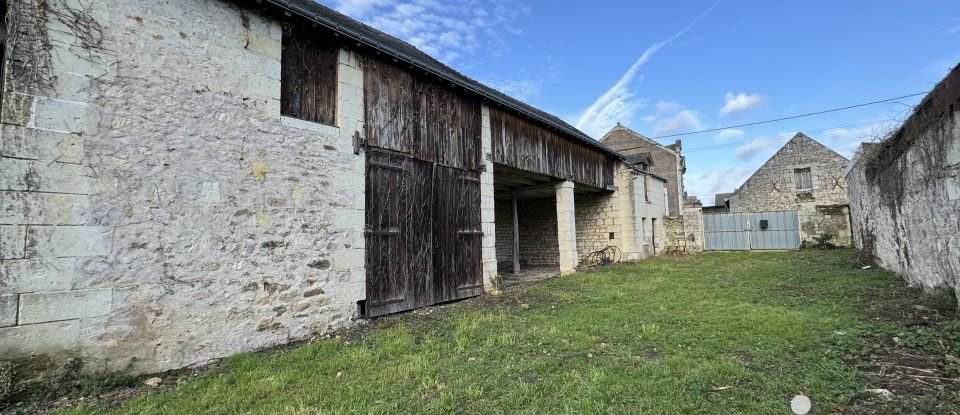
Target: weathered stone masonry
{"points": [[905, 193], [155, 208], [820, 209]]}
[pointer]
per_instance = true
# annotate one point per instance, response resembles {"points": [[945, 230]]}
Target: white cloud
{"points": [[681, 122], [723, 180], [737, 104], [728, 134], [953, 30], [753, 148], [846, 140], [618, 103], [522, 89], [446, 30]]}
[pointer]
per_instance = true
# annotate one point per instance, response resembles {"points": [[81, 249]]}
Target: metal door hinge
{"points": [[358, 143]]}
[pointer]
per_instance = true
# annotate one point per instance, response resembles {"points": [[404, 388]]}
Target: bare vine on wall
{"points": [[28, 45]]}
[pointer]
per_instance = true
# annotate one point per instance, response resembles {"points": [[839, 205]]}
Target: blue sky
{"points": [[672, 67]]}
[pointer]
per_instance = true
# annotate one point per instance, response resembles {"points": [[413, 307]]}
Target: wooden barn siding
{"points": [[522, 144], [418, 117]]}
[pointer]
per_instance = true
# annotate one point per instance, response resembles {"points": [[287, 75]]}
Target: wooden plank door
{"points": [[398, 234], [457, 234]]}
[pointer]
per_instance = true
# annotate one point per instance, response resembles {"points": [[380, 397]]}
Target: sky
{"points": [[664, 68]]}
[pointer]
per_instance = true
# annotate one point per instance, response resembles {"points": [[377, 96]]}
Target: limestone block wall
{"points": [[155, 208], [597, 217], [905, 194], [537, 225], [503, 214]]}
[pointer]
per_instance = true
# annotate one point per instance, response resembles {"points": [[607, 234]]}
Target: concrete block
{"points": [[12, 241], [30, 143], [67, 241], [31, 275], [64, 305], [66, 116], [38, 339], [30, 208], [8, 309]]}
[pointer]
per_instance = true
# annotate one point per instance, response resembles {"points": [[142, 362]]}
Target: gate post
{"points": [[566, 228]]}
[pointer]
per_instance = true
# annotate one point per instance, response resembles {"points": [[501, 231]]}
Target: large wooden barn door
{"points": [[399, 235], [457, 234]]}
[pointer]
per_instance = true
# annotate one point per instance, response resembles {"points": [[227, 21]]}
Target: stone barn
{"points": [[805, 177], [189, 179]]}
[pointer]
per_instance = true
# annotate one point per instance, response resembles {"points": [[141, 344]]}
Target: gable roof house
{"points": [[185, 180], [804, 176], [665, 161]]}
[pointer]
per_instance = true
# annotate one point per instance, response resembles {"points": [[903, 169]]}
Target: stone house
{"points": [[805, 176], [905, 193], [189, 179], [665, 161]]}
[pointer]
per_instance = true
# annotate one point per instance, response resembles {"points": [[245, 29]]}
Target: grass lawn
{"points": [[716, 333]]}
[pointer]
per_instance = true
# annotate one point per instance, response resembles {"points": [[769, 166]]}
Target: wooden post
{"points": [[516, 239]]}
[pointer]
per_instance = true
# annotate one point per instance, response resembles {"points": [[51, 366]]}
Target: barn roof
{"points": [[407, 53]]}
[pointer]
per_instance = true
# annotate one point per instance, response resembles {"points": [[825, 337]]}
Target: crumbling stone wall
{"points": [[905, 193], [675, 238], [773, 188], [155, 208]]}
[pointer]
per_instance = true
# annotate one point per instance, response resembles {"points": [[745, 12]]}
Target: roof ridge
{"points": [[394, 47]]}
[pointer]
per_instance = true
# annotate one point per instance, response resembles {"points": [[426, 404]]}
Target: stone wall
{"points": [[675, 237], [905, 193], [503, 209], [666, 162], [537, 225], [157, 211], [773, 187], [597, 217]]}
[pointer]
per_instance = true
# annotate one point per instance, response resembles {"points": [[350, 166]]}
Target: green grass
{"points": [[718, 333]]}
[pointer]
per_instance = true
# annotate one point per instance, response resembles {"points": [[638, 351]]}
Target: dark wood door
{"points": [[457, 271], [423, 235], [398, 234]]}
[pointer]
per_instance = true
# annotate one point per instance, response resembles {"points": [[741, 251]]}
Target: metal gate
{"points": [[423, 236], [755, 230]]}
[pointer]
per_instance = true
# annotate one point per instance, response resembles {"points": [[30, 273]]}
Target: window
{"points": [[803, 179], [308, 75]]}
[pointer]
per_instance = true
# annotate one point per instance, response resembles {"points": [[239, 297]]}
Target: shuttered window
{"points": [[803, 179], [308, 75]]}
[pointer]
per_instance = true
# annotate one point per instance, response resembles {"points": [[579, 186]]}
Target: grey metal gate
{"points": [[781, 230], [725, 232], [757, 230]]}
